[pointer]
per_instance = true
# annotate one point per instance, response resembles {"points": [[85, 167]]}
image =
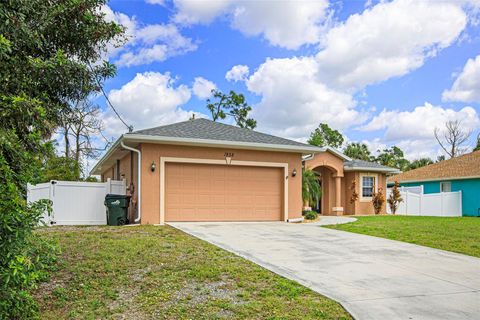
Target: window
{"points": [[445, 186], [368, 185]]}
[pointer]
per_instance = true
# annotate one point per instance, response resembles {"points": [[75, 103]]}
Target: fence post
{"points": [[420, 204], [406, 202], [460, 203], [442, 203], [108, 186]]}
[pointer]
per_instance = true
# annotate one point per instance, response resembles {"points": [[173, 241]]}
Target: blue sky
{"points": [[384, 73]]}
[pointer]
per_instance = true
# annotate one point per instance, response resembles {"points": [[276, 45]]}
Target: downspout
{"points": [[139, 179]]}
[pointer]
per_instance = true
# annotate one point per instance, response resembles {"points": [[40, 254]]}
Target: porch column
{"points": [[338, 209]]}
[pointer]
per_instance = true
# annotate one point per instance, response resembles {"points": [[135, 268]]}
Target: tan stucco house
{"points": [[200, 170]]}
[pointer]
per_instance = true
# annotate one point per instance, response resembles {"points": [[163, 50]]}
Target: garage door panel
{"points": [[199, 192]]}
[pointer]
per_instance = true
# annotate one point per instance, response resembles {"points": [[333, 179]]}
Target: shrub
{"points": [[25, 257], [395, 198], [311, 215], [378, 199]]}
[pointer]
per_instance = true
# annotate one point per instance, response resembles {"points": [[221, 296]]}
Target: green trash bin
{"points": [[117, 209]]}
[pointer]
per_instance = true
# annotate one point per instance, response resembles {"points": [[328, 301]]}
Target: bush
{"points": [[25, 257], [311, 215]]}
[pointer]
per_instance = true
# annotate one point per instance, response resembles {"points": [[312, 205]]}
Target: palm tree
{"points": [[311, 190]]}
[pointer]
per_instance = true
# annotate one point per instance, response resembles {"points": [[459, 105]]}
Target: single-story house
{"points": [[457, 174], [200, 170]]}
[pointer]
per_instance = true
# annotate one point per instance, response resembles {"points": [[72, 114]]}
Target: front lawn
{"points": [[159, 272], [460, 235]]}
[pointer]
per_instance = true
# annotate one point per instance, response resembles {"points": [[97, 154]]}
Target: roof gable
{"points": [[465, 166]]}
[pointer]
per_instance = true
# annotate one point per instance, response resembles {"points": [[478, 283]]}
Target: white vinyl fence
{"points": [[444, 204], [76, 203]]}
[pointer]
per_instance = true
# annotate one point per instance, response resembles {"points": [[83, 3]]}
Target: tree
{"points": [[378, 199], [418, 163], [326, 136], [50, 55], [311, 190], [477, 147], [84, 123], [393, 157], [452, 138], [233, 105], [395, 198], [356, 150]]}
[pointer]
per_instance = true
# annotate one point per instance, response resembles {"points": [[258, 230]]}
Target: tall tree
{"points": [[418, 163], [49, 56], [85, 123], [393, 157], [326, 136], [357, 150], [452, 138], [233, 104]]}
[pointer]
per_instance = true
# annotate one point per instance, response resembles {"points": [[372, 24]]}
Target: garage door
{"points": [[201, 192]]}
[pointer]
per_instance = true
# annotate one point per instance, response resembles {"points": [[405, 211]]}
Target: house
{"points": [[200, 170], [458, 174]]}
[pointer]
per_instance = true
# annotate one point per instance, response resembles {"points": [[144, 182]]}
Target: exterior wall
{"points": [[151, 180], [470, 192]]}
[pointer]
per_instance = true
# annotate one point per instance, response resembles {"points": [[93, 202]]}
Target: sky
{"points": [[382, 72]]}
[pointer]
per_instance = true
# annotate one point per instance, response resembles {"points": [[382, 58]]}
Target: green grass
{"points": [[460, 234], [159, 272]]}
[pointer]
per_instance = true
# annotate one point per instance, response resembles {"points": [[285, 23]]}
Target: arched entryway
{"points": [[330, 170]]}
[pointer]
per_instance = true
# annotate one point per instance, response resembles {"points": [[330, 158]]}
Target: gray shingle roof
{"points": [[210, 130], [355, 163]]}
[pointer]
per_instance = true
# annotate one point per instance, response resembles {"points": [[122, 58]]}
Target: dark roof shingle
{"points": [[210, 130], [355, 163]]}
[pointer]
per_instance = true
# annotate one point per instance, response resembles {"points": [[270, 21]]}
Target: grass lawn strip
{"points": [[458, 234], [162, 273]]}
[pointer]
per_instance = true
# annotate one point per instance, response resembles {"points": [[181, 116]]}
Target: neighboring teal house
{"points": [[457, 174]]}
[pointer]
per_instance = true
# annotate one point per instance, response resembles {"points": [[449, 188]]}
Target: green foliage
{"points": [[232, 104], [477, 147], [326, 136], [395, 198], [422, 162], [311, 215], [60, 168], [25, 257], [46, 52], [311, 190], [357, 150], [378, 199], [393, 157]]}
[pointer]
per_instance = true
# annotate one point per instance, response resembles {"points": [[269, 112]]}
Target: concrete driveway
{"points": [[372, 278]]}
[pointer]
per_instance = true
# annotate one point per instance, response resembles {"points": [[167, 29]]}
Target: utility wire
{"points": [[130, 128]]}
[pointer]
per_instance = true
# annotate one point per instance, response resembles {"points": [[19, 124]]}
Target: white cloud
{"points": [[237, 73], [202, 88], [286, 23], [413, 131], [294, 102], [387, 40], [150, 99], [466, 87], [147, 44]]}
